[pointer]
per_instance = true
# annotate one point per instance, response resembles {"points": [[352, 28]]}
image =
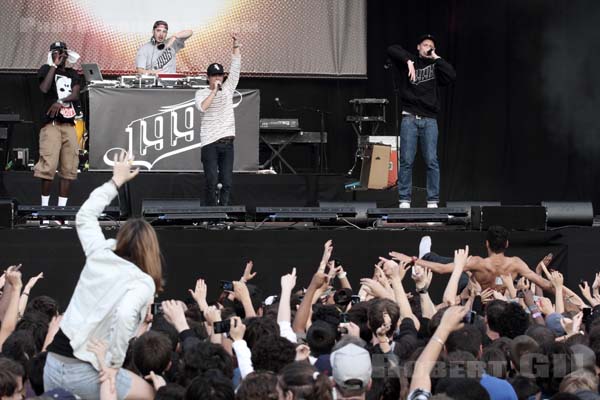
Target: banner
{"points": [[161, 128], [279, 37]]}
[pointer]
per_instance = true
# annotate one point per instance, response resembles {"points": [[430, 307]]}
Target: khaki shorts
{"points": [[58, 149]]}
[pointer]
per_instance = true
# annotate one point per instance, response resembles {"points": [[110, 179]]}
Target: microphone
{"points": [[430, 51], [278, 102]]}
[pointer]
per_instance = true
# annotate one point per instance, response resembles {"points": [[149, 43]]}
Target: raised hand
{"points": [[288, 281], [374, 288], [544, 263], [122, 171], [33, 280], [240, 291], [248, 274], [13, 277], [327, 251], [199, 294], [461, 256], [596, 284], [452, 318], [586, 291], [412, 75], [157, 380], [319, 280], [383, 330], [174, 314], [523, 283], [556, 278], [237, 330], [545, 306], [400, 256]]}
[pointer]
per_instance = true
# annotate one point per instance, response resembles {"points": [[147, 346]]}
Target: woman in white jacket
{"points": [[117, 284]]}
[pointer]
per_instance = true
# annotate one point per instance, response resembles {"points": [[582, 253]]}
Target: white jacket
{"points": [[112, 294]]}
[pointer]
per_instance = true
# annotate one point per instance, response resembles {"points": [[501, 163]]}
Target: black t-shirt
{"points": [[64, 80]]}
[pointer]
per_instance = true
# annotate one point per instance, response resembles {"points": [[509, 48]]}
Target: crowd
{"points": [[507, 338]]}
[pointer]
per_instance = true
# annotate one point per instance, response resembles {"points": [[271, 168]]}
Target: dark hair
{"points": [[565, 396], [462, 389], [558, 361], [493, 313], [495, 362], [595, 343], [259, 327], [198, 328], [387, 388], [20, 347], [321, 337], [152, 352], [36, 323], [272, 354], [466, 339], [35, 372], [212, 385], [463, 363], [171, 391], [44, 304], [513, 321], [326, 312], [161, 325], [520, 347], [524, 387], [158, 23], [9, 372], [497, 238], [359, 314], [304, 382], [203, 357], [541, 334], [376, 310], [258, 386]]}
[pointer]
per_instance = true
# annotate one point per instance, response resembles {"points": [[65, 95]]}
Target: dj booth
{"points": [[161, 128]]}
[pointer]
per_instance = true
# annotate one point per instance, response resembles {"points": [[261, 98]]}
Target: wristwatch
{"points": [[422, 291]]}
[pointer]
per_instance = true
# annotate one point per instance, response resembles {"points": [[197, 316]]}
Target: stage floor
{"points": [[249, 189]]}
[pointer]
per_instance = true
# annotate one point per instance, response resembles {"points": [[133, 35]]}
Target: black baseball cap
{"points": [[426, 36], [158, 23], [58, 46], [215, 69]]}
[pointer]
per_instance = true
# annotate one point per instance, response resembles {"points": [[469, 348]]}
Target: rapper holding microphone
{"points": [[217, 129], [420, 106]]}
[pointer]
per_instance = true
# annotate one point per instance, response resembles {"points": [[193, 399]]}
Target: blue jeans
{"points": [[217, 159], [80, 378], [411, 130]]}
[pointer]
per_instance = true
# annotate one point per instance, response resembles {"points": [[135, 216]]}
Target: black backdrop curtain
{"points": [[520, 124]]}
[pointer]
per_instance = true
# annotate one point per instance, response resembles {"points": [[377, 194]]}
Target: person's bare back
{"points": [[486, 270]]}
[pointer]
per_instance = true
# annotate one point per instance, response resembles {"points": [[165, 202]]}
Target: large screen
{"points": [[279, 37]]}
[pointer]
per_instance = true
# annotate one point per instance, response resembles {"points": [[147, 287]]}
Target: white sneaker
{"points": [[432, 205], [424, 246], [404, 204]]}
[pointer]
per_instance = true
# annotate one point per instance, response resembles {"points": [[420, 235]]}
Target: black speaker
{"points": [[7, 211], [474, 208], [361, 208], [563, 213], [516, 218]]}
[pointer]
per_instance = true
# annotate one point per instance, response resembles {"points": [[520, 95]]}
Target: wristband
{"points": [[342, 275], [25, 294], [437, 339], [114, 183], [536, 315], [422, 291]]}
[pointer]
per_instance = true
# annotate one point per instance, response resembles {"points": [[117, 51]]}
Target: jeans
{"points": [[436, 258], [217, 159], [411, 129], [80, 378]]}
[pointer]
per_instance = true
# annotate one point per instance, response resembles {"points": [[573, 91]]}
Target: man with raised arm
{"points": [[217, 131], [484, 270]]}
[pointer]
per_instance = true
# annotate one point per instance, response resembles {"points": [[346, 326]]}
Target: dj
{"points": [[159, 55]]}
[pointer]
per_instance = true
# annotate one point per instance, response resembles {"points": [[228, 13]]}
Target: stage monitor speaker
{"points": [[375, 167], [360, 207], [474, 208], [563, 213], [516, 218], [7, 212]]}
